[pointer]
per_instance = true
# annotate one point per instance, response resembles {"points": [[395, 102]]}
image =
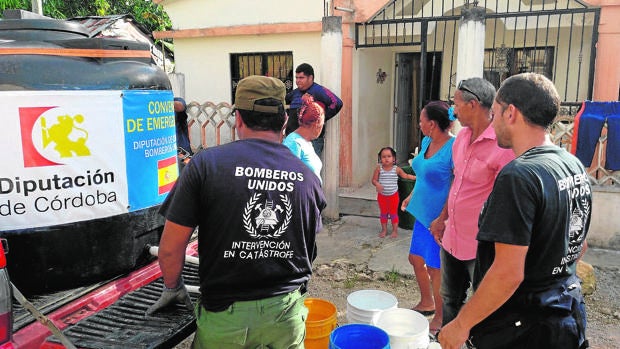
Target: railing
{"points": [[212, 124]]}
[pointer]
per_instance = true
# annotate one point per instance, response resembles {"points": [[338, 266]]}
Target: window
{"points": [[503, 62], [275, 64]]}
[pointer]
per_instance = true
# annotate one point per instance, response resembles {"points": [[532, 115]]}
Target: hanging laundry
{"points": [[587, 130]]}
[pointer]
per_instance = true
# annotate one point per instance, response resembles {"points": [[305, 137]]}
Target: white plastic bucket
{"points": [[406, 328], [363, 305]]}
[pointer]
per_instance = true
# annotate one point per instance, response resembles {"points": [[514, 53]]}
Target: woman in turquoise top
{"points": [[311, 119], [433, 170]]}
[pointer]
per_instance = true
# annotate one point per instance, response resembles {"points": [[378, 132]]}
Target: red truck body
{"points": [[38, 336]]}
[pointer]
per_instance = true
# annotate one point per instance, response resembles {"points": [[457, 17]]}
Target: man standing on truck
{"points": [[258, 209]]}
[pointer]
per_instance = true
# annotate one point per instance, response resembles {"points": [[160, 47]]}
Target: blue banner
{"points": [[150, 146]]}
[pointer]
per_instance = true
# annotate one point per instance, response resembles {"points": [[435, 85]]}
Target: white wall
{"points": [[372, 116], [225, 13], [205, 62], [604, 228]]}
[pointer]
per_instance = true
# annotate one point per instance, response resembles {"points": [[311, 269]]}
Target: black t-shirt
{"points": [[258, 208], [542, 199]]}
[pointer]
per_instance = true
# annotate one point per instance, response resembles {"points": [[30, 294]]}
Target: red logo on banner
{"points": [[28, 118]]}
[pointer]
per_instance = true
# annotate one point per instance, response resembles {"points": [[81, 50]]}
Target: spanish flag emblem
{"points": [[167, 174]]}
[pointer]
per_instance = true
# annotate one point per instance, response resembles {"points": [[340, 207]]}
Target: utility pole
{"points": [[37, 7]]}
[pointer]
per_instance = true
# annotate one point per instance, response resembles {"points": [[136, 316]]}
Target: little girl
{"points": [[385, 179]]}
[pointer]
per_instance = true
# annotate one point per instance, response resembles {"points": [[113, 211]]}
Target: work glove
{"points": [[171, 296]]}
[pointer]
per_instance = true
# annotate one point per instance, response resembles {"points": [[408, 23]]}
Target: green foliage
{"points": [[350, 282], [12, 4], [150, 15], [392, 276]]}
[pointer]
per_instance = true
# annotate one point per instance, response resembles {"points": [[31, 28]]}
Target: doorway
{"points": [[412, 92]]}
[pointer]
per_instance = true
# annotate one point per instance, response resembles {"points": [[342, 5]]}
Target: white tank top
{"points": [[389, 180]]}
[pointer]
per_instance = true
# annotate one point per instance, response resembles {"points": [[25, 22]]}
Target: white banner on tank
{"points": [[63, 157]]}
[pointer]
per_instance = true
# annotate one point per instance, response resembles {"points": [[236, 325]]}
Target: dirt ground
{"points": [[335, 281]]}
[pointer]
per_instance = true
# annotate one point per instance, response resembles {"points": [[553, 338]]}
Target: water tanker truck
{"points": [[89, 154]]}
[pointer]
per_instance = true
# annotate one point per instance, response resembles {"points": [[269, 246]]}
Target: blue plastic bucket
{"points": [[359, 336]]}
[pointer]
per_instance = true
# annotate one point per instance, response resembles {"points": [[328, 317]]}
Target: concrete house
{"points": [[386, 59]]}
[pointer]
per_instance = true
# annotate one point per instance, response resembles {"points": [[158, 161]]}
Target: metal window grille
{"points": [[275, 64]]}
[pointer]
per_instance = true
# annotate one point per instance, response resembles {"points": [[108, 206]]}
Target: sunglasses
{"points": [[462, 87]]}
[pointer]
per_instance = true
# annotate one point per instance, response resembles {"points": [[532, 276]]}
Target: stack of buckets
{"points": [[405, 328], [375, 322]]}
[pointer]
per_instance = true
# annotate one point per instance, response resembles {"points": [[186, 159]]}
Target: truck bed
{"points": [[110, 314], [124, 325], [48, 303]]}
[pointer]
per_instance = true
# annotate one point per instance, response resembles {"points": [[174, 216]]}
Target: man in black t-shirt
{"points": [[532, 232], [258, 209]]}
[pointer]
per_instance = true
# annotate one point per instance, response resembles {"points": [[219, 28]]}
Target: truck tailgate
{"points": [[124, 325], [110, 314]]}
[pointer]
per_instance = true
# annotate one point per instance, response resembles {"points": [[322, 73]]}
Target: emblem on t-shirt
{"points": [[577, 222], [267, 218]]}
